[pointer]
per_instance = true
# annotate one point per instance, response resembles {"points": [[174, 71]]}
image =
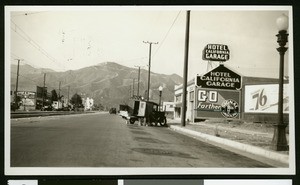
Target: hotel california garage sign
{"points": [[220, 78], [216, 52]]}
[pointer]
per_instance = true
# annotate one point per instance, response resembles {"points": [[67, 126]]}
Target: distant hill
{"points": [[107, 83], [27, 69]]}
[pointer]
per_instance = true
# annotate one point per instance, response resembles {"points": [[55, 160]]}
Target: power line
{"points": [[167, 33], [22, 14], [25, 36]]}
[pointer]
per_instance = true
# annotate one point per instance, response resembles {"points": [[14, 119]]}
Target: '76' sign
{"points": [[264, 98]]}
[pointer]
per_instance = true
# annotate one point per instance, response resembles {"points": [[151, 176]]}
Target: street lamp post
{"points": [[160, 91], [279, 142], [24, 102]]}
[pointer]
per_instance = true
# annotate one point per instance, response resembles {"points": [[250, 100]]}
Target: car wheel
{"points": [[163, 121], [131, 121]]}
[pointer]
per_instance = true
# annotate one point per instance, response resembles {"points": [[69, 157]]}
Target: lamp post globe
{"points": [[282, 22], [160, 88]]}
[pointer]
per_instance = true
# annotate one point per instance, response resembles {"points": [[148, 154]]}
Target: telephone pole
{"points": [[44, 90], [149, 66], [129, 91], [133, 80], [58, 94], [185, 68], [68, 96], [17, 83], [138, 87]]}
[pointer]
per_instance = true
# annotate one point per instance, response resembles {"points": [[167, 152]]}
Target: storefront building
{"points": [[225, 94]]}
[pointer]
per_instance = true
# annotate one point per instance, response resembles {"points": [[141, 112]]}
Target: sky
{"points": [[70, 38]]}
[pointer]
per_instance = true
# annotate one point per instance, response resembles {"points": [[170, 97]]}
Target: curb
{"points": [[236, 145]]}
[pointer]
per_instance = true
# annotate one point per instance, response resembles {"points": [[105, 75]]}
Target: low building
{"points": [[88, 103], [222, 93], [169, 108], [27, 100]]}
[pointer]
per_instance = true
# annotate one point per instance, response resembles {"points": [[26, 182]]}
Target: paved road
{"points": [[104, 140]]}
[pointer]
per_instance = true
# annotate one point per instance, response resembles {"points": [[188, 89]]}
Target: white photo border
{"points": [[136, 170]]}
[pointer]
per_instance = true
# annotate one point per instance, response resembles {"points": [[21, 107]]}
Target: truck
{"points": [[57, 105], [147, 113], [125, 111]]}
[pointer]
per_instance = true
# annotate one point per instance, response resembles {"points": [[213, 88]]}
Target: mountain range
{"points": [[108, 83]]}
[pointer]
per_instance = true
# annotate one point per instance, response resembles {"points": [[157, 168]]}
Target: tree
{"points": [[76, 100], [54, 96], [98, 106], [16, 104]]}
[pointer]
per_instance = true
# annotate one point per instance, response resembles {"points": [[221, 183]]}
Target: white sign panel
{"points": [[168, 106], [264, 98]]}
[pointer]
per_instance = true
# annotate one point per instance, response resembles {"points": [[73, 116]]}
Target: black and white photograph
{"points": [[149, 90]]}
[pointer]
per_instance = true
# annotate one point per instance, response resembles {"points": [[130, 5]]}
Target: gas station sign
{"points": [[220, 78], [216, 103], [216, 52]]}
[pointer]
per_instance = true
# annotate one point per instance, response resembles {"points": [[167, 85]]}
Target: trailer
{"points": [[125, 111], [147, 113]]}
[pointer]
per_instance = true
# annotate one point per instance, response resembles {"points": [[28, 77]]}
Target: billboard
{"points": [[217, 103], [168, 106], [40, 91], [264, 98], [28, 98]]}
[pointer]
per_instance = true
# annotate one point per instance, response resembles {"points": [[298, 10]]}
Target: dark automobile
{"points": [[113, 111], [47, 108], [147, 112]]}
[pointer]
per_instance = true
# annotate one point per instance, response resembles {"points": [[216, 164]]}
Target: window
{"points": [[178, 98], [192, 96]]}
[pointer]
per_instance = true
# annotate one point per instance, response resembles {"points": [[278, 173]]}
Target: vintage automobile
{"points": [[125, 111], [147, 113], [47, 108], [112, 111]]}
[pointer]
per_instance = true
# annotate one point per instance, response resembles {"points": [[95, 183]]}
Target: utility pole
{"points": [[138, 88], [17, 83], [44, 90], [129, 91], [185, 68], [133, 80], [58, 94], [149, 66], [68, 96]]}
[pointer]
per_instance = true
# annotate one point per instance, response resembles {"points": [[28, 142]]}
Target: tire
{"points": [[163, 121], [131, 121]]}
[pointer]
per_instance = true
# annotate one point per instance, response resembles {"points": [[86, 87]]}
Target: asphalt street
{"points": [[104, 140]]}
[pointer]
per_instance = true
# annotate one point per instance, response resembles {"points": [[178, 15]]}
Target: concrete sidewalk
{"points": [[250, 142]]}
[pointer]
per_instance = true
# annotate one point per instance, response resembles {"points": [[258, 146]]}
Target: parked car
{"points": [[147, 112], [113, 111], [47, 108]]}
